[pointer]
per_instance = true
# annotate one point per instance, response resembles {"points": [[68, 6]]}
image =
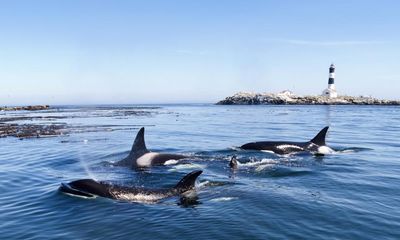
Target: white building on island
{"points": [[331, 90]]}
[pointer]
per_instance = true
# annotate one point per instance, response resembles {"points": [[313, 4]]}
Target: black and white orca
{"points": [[90, 188], [316, 145], [140, 157]]}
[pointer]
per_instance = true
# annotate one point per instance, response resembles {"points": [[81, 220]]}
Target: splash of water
{"points": [[85, 165]]}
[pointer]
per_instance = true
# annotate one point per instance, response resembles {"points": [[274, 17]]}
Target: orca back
{"points": [[92, 188], [284, 147]]}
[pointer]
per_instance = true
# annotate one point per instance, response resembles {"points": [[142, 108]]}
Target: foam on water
{"points": [[140, 197], [347, 151], [202, 184], [223, 199], [187, 166], [263, 167], [190, 194], [256, 163]]}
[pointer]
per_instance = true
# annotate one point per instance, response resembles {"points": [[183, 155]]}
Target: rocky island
{"points": [[329, 97], [289, 98]]}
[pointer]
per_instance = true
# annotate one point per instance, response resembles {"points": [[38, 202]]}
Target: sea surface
{"points": [[353, 193]]}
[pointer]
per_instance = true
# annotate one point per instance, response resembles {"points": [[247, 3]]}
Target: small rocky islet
{"points": [[26, 108], [289, 98]]}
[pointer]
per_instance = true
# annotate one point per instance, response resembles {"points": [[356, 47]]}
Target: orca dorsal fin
{"points": [[138, 150], [139, 146], [319, 139], [188, 181]]}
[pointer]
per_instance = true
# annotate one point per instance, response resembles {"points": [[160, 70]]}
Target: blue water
{"points": [[352, 194]]}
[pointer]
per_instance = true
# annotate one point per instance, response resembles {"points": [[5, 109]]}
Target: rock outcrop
{"points": [[30, 130], [287, 97], [27, 108]]}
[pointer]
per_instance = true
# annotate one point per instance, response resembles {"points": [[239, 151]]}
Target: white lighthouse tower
{"points": [[331, 90]]}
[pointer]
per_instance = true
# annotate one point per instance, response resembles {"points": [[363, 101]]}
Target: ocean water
{"points": [[351, 194]]}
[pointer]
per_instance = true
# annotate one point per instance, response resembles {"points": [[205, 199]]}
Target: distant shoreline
{"points": [[288, 98]]}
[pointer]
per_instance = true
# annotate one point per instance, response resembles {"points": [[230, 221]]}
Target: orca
{"points": [[90, 188], [316, 145], [140, 157], [233, 163]]}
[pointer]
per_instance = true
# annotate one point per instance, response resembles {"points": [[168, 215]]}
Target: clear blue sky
{"points": [[92, 51]]}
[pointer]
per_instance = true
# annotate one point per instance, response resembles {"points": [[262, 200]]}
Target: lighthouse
{"points": [[330, 92]]}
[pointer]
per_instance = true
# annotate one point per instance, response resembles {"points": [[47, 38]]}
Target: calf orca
{"points": [[140, 157], [316, 145], [233, 163], [90, 188]]}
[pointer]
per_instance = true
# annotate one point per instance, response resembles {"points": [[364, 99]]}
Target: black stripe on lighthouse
{"points": [[331, 74]]}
